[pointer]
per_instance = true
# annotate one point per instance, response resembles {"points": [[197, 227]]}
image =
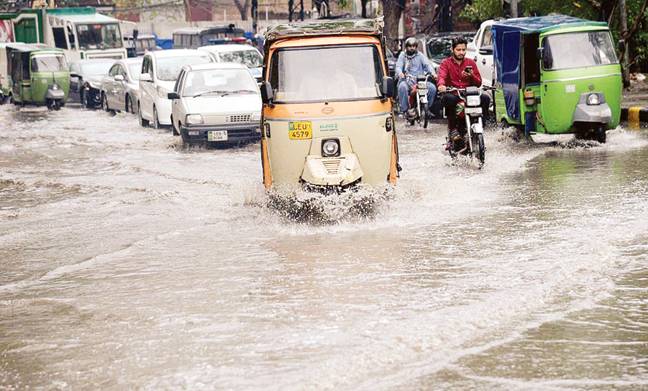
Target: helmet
{"points": [[411, 41]]}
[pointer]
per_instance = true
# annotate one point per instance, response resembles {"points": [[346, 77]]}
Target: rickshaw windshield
{"points": [[326, 74], [48, 63], [99, 36], [577, 50]]}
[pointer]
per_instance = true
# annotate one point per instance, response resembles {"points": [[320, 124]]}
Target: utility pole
{"points": [[625, 49], [514, 8]]}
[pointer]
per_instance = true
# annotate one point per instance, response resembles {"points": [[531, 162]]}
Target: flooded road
{"points": [[129, 262]]}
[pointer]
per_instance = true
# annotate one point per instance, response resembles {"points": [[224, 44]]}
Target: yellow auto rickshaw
{"points": [[327, 120]]}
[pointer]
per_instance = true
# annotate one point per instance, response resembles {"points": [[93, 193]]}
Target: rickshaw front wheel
{"points": [[600, 135]]}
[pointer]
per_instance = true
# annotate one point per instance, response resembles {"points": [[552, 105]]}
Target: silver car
{"points": [[120, 88]]}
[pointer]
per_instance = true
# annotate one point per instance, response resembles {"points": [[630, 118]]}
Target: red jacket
{"points": [[450, 74]]}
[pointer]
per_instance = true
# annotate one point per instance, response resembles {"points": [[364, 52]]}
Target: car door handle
{"points": [[484, 61]]}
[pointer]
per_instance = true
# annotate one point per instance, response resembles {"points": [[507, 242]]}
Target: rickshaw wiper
{"points": [[212, 92]]}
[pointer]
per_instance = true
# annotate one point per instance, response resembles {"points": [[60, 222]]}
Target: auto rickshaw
{"points": [[327, 120], [39, 75], [557, 74]]}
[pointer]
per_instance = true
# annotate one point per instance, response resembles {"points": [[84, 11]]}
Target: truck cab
{"points": [[481, 50]]}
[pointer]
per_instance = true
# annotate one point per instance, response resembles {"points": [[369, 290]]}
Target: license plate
{"points": [[473, 110], [300, 130], [217, 135]]}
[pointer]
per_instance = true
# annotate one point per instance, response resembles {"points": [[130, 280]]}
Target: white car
{"points": [[481, 50], [160, 71], [120, 88], [238, 53], [216, 103]]}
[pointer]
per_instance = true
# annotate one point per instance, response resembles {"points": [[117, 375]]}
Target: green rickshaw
{"points": [[557, 74], [39, 75]]}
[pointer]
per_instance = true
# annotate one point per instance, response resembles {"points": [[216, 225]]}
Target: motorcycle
{"points": [[468, 138], [418, 101]]}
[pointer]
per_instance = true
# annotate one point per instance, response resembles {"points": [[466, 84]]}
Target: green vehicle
{"points": [[557, 74], [39, 75]]}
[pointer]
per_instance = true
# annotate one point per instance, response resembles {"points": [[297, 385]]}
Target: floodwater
{"points": [[128, 262]]}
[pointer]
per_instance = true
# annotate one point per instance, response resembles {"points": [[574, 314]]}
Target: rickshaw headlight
{"points": [[473, 100], [593, 100], [389, 124], [255, 117], [194, 119], [331, 147]]}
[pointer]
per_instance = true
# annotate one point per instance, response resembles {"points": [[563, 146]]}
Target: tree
{"points": [[392, 11], [242, 8]]}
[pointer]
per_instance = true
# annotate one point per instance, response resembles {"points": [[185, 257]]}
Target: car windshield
{"points": [[250, 58], [439, 48], [144, 44], [135, 70], [48, 63], [219, 81], [99, 36], [169, 68], [96, 68], [326, 73], [577, 50]]}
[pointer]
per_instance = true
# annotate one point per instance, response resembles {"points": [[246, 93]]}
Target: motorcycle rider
{"points": [[459, 72], [410, 64]]}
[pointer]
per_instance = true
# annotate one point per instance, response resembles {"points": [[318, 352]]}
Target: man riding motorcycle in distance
{"points": [[410, 64], [459, 72]]}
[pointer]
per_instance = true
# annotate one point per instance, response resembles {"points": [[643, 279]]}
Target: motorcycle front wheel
{"points": [[480, 149], [424, 116]]}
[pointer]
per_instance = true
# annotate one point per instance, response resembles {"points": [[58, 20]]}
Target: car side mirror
{"points": [[146, 77], [267, 94], [119, 77], [387, 87], [173, 95], [486, 50], [622, 45]]}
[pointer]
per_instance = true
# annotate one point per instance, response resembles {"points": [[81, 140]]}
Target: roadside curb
{"points": [[634, 114]]}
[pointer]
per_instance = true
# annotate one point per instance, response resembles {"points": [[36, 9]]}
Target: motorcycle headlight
{"points": [[55, 86], [331, 147], [473, 100], [255, 117], [593, 100], [421, 85], [194, 119]]}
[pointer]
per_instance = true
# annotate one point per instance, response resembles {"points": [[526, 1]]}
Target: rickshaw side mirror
{"points": [[267, 94], [387, 87], [540, 53], [622, 45]]}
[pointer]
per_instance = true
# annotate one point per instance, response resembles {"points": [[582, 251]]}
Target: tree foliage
{"points": [[604, 10]]}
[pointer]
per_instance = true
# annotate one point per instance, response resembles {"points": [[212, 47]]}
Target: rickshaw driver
{"points": [[410, 64], [459, 72]]}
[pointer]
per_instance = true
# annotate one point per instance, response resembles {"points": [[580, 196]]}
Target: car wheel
{"points": [[129, 105], [86, 100], [156, 122], [143, 122], [104, 103]]}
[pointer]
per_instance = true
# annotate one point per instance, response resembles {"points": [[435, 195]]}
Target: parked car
{"points": [[481, 50], [120, 88], [85, 80], [160, 71], [439, 45], [238, 53], [138, 45], [217, 104]]}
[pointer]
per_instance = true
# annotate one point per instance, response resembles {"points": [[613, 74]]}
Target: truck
{"points": [[481, 51], [81, 32]]}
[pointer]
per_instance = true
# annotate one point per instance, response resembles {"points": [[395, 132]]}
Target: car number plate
{"points": [[300, 130], [217, 135], [473, 110]]}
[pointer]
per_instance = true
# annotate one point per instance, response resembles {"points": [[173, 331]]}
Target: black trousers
{"points": [[450, 102]]}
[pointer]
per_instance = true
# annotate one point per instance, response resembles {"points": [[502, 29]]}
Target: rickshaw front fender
{"points": [[601, 114], [334, 171], [55, 94]]}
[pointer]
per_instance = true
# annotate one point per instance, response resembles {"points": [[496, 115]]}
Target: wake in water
{"points": [[357, 204]]}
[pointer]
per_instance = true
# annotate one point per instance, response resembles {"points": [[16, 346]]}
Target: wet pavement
{"points": [[130, 262]]}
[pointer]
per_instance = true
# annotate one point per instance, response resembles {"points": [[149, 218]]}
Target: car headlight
{"points": [[593, 100], [255, 117], [331, 147], [162, 92], [473, 100], [194, 119]]}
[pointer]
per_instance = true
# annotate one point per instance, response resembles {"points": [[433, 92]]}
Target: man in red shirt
{"points": [[459, 72]]}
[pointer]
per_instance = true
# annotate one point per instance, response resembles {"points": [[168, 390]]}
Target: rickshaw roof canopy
{"points": [[544, 23], [327, 27]]}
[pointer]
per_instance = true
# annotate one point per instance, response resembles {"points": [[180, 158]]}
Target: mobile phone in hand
{"points": [[468, 69]]}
